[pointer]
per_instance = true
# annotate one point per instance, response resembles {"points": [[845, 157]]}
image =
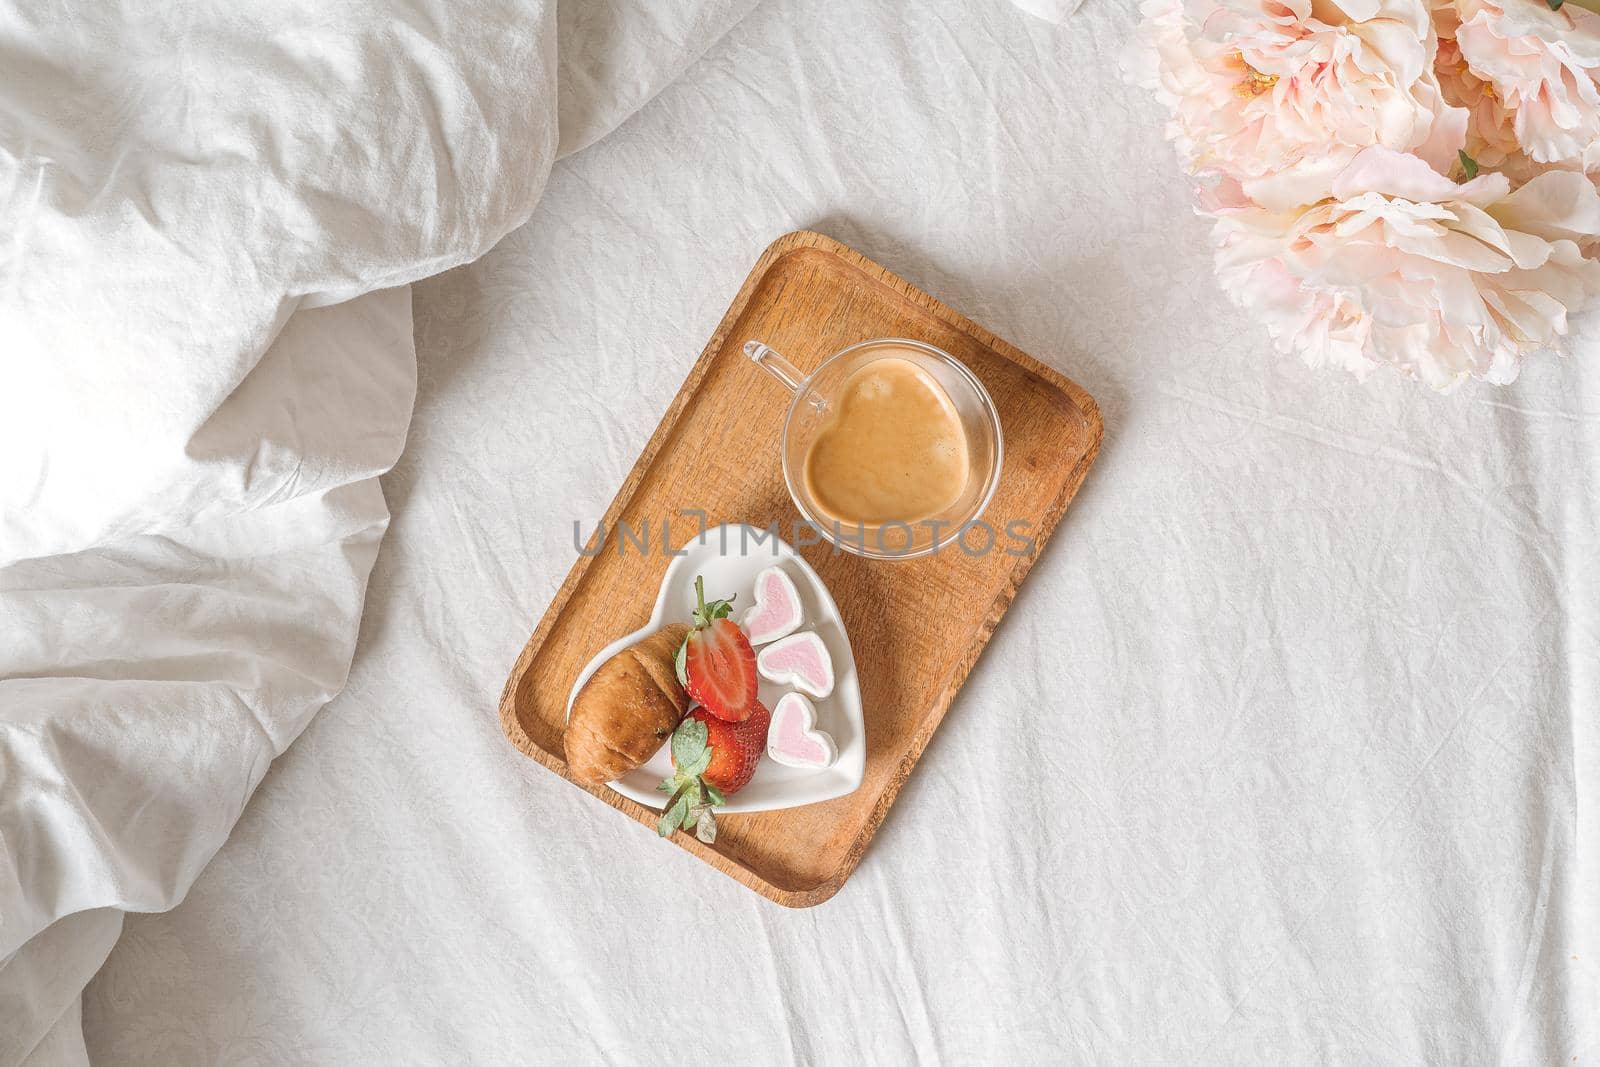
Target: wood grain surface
{"points": [[917, 626]]}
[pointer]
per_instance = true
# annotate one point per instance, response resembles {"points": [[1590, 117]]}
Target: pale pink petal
{"points": [[1556, 204], [1257, 87], [1543, 67], [1440, 281], [1382, 170]]}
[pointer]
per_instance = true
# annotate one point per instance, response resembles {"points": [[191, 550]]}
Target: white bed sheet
{"points": [[1286, 752]]}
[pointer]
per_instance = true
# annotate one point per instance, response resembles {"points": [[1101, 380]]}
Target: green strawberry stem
{"points": [[704, 615]]}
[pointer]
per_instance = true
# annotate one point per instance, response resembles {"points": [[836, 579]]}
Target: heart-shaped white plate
{"points": [[730, 557]]}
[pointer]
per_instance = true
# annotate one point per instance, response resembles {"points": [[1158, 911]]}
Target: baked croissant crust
{"points": [[627, 709]]}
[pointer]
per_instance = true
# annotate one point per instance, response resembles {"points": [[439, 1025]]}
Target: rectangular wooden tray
{"points": [[916, 626]]}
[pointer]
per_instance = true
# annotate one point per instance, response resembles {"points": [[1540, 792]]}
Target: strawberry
{"points": [[736, 747], [711, 758], [716, 664]]}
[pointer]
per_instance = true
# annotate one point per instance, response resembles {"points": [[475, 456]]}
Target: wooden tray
{"points": [[916, 626]]}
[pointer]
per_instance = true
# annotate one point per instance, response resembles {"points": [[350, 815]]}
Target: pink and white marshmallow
{"points": [[800, 660], [793, 738], [776, 612]]}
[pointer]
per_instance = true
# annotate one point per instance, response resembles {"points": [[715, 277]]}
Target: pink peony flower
{"points": [[1518, 64], [1491, 137], [1280, 95], [1405, 268]]}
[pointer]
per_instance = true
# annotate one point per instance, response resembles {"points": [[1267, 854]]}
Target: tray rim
{"points": [[796, 241]]}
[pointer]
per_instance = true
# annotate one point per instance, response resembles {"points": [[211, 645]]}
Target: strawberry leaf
{"points": [[676, 808], [670, 819], [707, 828], [679, 665], [688, 745], [714, 795]]}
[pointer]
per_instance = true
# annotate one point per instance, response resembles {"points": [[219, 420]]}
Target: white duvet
{"points": [[208, 217]]}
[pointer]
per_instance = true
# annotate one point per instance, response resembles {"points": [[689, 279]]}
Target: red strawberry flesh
{"points": [[720, 670]]}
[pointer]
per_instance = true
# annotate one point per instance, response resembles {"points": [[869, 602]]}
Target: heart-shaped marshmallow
{"points": [[777, 610], [793, 738], [800, 660]]}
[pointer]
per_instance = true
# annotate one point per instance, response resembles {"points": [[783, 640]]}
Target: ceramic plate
{"points": [[730, 557]]}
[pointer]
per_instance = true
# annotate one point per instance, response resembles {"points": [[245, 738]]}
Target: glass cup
{"points": [[811, 409]]}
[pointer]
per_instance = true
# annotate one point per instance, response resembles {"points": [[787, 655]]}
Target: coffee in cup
{"points": [[893, 450]]}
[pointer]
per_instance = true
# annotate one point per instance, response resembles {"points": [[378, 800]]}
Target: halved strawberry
{"points": [[716, 664]]}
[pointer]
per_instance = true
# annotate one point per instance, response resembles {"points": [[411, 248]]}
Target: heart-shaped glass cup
{"points": [[812, 410]]}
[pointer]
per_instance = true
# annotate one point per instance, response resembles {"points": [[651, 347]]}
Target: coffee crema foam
{"points": [[894, 449]]}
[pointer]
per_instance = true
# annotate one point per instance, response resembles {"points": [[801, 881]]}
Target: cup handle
{"points": [[769, 360]]}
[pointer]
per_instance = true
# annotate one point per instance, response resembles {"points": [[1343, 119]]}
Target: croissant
{"points": [[627, 709]]}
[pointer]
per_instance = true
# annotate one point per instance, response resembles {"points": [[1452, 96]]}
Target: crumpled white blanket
{"points": [[208, 214]]}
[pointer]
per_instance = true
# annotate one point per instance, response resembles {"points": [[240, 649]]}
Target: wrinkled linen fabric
{"points": [[179, 179], [207, 217], [1049, 10], [616, 55], [1284, 753]]}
